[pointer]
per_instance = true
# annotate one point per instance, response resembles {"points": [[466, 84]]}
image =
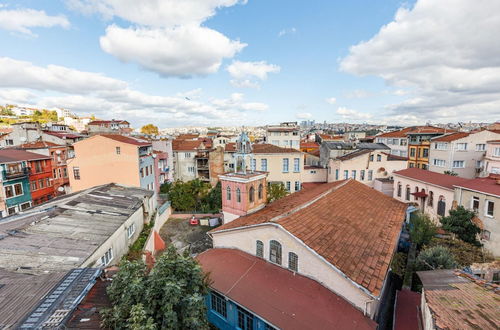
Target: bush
{"points": [[398, 264], [465, 254], [422, 229], [276, 191], [436, 257], [460, 223]]}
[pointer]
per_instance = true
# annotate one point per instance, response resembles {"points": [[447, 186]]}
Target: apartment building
{"points": [[482, 195], [354, 135], [108, 158], [492, 158], [190, 159], [462, 153], [40, 179], [332, 150], [419, 145], [286, 135], [397, 141], [109, 127]]}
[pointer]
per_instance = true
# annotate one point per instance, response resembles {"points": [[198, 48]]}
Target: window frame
{"points": [[218, 304], [293, 262], [259, 249], [486, 208], [275, 246]]}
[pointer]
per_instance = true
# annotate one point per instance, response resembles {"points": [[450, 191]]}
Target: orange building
{"points": [[40, 179], [306, 146]]}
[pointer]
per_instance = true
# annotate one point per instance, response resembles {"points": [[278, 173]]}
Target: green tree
{"points": [[171, 296], [422, 229], [460, 223], [213, 201], [465, 254], [450, 173], [276, 191], [149, 129], [436, 257]]}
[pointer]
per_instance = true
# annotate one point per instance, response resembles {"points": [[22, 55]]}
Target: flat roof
{"points": [[281, 297]]}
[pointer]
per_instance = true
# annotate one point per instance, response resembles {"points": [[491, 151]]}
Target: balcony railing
{"points": [[10, 174]]}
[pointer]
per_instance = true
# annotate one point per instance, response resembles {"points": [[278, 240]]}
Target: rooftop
{"points": [[282, 298], [437, 179], [414, 130], [64, 135], [272, 149], [14, 155], [330, 217], [488, 185], [39, 145], [458, 300], [451, 137], [127, 139], [185, 145], [103, 122], [353, 146]]}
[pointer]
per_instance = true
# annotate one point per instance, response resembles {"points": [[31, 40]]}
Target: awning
{"points": [[421, 194]]}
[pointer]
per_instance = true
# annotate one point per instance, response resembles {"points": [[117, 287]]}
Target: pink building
{"points": [[431, 192], [161, 168], [492, 158]]}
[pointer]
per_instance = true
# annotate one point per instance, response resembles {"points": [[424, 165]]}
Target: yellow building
{"points": [[419, 145]]}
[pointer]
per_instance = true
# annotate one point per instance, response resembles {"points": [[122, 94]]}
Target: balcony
{"points": [[14, 174]]}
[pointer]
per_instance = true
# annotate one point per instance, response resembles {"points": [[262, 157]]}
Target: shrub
{"points": [[460, 223], [465, 254], [422, 229], [436, 257]]}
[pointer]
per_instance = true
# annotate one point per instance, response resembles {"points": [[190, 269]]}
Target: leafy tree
{"points": [[422, 229], [165, 188], [460, 223], [465, 254], [436, 257], [171, 296], [450, 173], [213, 201], [149, 129], [398, 264], [190, 196], [276, 191]]}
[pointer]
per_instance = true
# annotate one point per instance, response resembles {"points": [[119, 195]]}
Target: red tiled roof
{"points": [[271, 149], [407, 312], [328, 137], [438, 179], [486, 185], [309, 145], [396, 134], [39, 145], [394, 157], [14, 155], [316, 153], [338, 215], [188, 145], [6, 130], [493, 141], [187, 136], [282, 298], [415, 130], [451, 137], [63, 135], [230, 147], [126, 139]]}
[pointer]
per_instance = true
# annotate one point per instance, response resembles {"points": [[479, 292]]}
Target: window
{"points": [[118, 150], [269, 327], [336, 174], [370, 175], [54, 173], [425, 153], [275, 252], [475, 203], [33, 186], [9, 142], [218, 304], [245, 319], [65, 170], [40, 183], [441, 146], [412, 165], [379, 158], [147, 170], [259, 249], [346, 174], [13, 190], [371, 158], [412, 152], [187, 155], [238, 195], [191, 169], [353, 174], [11, 210], [297, 185], [296, 164], [458, 164], [399, 189], [285, 165], [496, 152], [263, 164], [403, 142], [76, 173], [415, 196], [107, 257], [288, 186], [430, 202], [293, 261], [38, 166], [441, 208], [407, 195], [461, 146], [485, 234], [47, 182], [59, 171], [261, 191], [142, 172], [251, 193], [480, 147], [490, 205], [228, 193], [131, 230], [253, 164], [439, 162]]}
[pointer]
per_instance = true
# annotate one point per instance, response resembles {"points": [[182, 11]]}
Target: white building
{"points": [[285, 135]]}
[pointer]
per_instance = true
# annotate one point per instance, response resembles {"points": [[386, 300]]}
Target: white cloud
{"points": [[23, 20], [14, 96], [358, 94], [182, 51], [331, 100], [352, 114], [304, 115], [235, 102], [443, 51], [287, 31], [245, 73]]}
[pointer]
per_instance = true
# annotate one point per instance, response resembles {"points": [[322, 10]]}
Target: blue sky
{"points": [[251, 63]]}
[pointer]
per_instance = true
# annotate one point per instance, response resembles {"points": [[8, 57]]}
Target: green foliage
{"points": [[422, 229], [450, 173], [465, 254], [135, 250], [6, 111], [460, 223], [436, 257], [44, 116], [275, 191], [149, 129], [165, 188], [171, 296], [398, 264], [213, 201], [194, 195]]}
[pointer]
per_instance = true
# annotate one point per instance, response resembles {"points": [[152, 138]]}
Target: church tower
{"points": [[244, 191]]}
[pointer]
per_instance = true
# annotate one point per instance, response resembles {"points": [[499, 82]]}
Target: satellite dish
{"points": [[60, 189]]}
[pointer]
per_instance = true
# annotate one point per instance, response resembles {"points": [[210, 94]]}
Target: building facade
{"points": [[286, 135], [109, 127], [40, 178], [492, 158], [15, 192], [419, 140]]}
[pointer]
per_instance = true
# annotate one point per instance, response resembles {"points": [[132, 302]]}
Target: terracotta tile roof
{"points": [[396, 134], [282, 298], [451, 137], [391, 157], [230, 147], [415, 130], [493, 141], [63, 135], [488, 185], [271, 149], [438, 179], [126, 139], [351, 225], [309, 145], [458, 301], [39, 145], [187, 136], [185, 145], [6, 130], [14, 155], [316, 153]]}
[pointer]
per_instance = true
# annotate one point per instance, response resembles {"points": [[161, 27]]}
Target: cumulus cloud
{"points": [[87, 92], [245, 73], [358, 94], [351, 114], [331, 100], [23, 20], [304, 115], [287, 31], [443, 50], [164, 36]]}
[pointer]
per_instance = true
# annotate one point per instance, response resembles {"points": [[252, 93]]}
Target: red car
{"points": [[194, 221]]}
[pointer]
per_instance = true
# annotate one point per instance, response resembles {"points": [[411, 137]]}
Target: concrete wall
{"points": [[244, 206], [100, 164], [427, 321], [275, 168], [491, 162], [147, 180], [216, 165], [284, 139], [399, 146], [310, 264], [314, 174], [183, 160]]}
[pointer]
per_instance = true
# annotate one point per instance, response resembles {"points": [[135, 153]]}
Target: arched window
{"points": [[400, 187], [441, 210], [259, 249], [407, 195], [415, 196], [261, 190], [228, 193], [238, 195], [293, 261], [430, 202], [275, 252], [251, 194]]}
